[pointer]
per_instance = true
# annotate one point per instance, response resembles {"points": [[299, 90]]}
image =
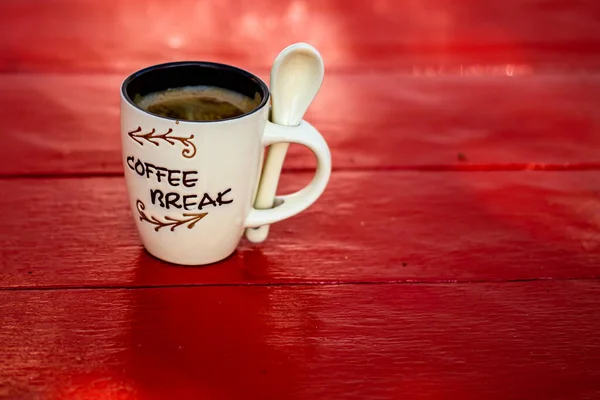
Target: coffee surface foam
{"points": [[198, 103]]}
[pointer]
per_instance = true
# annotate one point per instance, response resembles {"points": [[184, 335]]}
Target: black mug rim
{"points": [[202, 64]]}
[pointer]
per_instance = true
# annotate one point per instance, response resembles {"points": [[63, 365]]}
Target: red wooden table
{"points": [[455, 253]]}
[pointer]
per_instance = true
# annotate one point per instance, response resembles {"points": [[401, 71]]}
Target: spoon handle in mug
{"points": [[268, 187]]}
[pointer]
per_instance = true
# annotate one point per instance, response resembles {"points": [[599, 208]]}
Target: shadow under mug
{"points": [[191, 184]]}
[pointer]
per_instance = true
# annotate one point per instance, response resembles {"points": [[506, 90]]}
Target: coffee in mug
{"points": [[197, 103]]}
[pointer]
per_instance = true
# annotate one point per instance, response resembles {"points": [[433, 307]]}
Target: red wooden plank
{"points": [[101, 35], [370, 120], [466, 341], [368, 227]]}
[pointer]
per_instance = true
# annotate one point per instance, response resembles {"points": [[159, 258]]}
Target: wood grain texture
{"points": [[101, 35], [368, 227], [371, 121], [507, 263], [467, 341]]}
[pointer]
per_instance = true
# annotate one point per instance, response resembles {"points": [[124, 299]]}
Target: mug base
{"points": [[196, 262]]}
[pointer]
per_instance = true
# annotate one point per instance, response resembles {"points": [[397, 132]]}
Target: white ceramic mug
{"points": [[191, 185]]}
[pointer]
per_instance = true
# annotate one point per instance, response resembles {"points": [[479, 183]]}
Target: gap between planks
{"points": [[299, 283]]}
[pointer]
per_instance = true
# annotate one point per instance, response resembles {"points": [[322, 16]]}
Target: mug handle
{"points": [[292, 204]]}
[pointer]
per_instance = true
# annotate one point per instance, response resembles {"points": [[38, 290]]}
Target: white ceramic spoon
{"points": [[296, 77]]}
